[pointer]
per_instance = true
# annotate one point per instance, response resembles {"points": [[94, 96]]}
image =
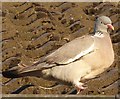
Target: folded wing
{"points": [[72, 50]]}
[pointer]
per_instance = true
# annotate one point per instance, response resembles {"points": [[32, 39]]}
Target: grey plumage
{"points": [[83, 58]]}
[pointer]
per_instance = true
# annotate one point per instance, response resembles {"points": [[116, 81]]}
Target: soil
{"points": [[32, 30]]}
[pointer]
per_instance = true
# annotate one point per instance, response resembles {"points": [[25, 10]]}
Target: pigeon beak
{"points": [[110, 26]]}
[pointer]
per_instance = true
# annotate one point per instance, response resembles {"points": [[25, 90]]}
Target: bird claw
{"points": [[80, 87]]}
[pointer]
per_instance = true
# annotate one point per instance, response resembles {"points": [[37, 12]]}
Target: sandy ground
{"points": [[32, 30]]}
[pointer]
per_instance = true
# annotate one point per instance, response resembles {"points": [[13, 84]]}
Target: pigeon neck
{"points": [[99, 34]]}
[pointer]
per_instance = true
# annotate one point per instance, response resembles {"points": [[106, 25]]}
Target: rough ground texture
{"points": [[32, 30]]}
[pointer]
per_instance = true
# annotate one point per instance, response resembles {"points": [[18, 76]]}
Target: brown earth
{"points": [[32, 30]]}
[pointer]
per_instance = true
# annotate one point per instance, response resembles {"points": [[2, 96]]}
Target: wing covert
{"points": [[72, 51]]}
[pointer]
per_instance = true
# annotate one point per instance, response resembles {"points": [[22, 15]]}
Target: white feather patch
{"points": [[99, 34], [81, 54]]}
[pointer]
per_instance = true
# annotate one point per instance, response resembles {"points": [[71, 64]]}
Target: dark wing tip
{"points": [[11, 73]]}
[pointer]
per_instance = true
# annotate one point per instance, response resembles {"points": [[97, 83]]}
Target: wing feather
{"points": [[72, 50]]}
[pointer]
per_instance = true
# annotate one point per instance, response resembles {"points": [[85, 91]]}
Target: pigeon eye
{"points": [[103, 23]]}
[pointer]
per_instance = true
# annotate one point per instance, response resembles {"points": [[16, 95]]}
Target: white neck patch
{"points": [[99, 34]]}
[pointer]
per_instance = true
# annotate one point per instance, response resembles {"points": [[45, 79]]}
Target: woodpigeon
{"points": [[80, 59]]}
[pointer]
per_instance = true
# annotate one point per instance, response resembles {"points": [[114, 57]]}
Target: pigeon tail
{"points": [[13, 73]]}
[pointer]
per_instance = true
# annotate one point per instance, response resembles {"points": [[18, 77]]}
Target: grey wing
{"points": [[64, 55], [72, 50]]}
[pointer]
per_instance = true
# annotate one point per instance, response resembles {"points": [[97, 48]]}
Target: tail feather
{"points": [[23, 70], [12, 73]]}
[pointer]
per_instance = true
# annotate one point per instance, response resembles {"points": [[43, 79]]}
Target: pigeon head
{"points": [[103, 23]]}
